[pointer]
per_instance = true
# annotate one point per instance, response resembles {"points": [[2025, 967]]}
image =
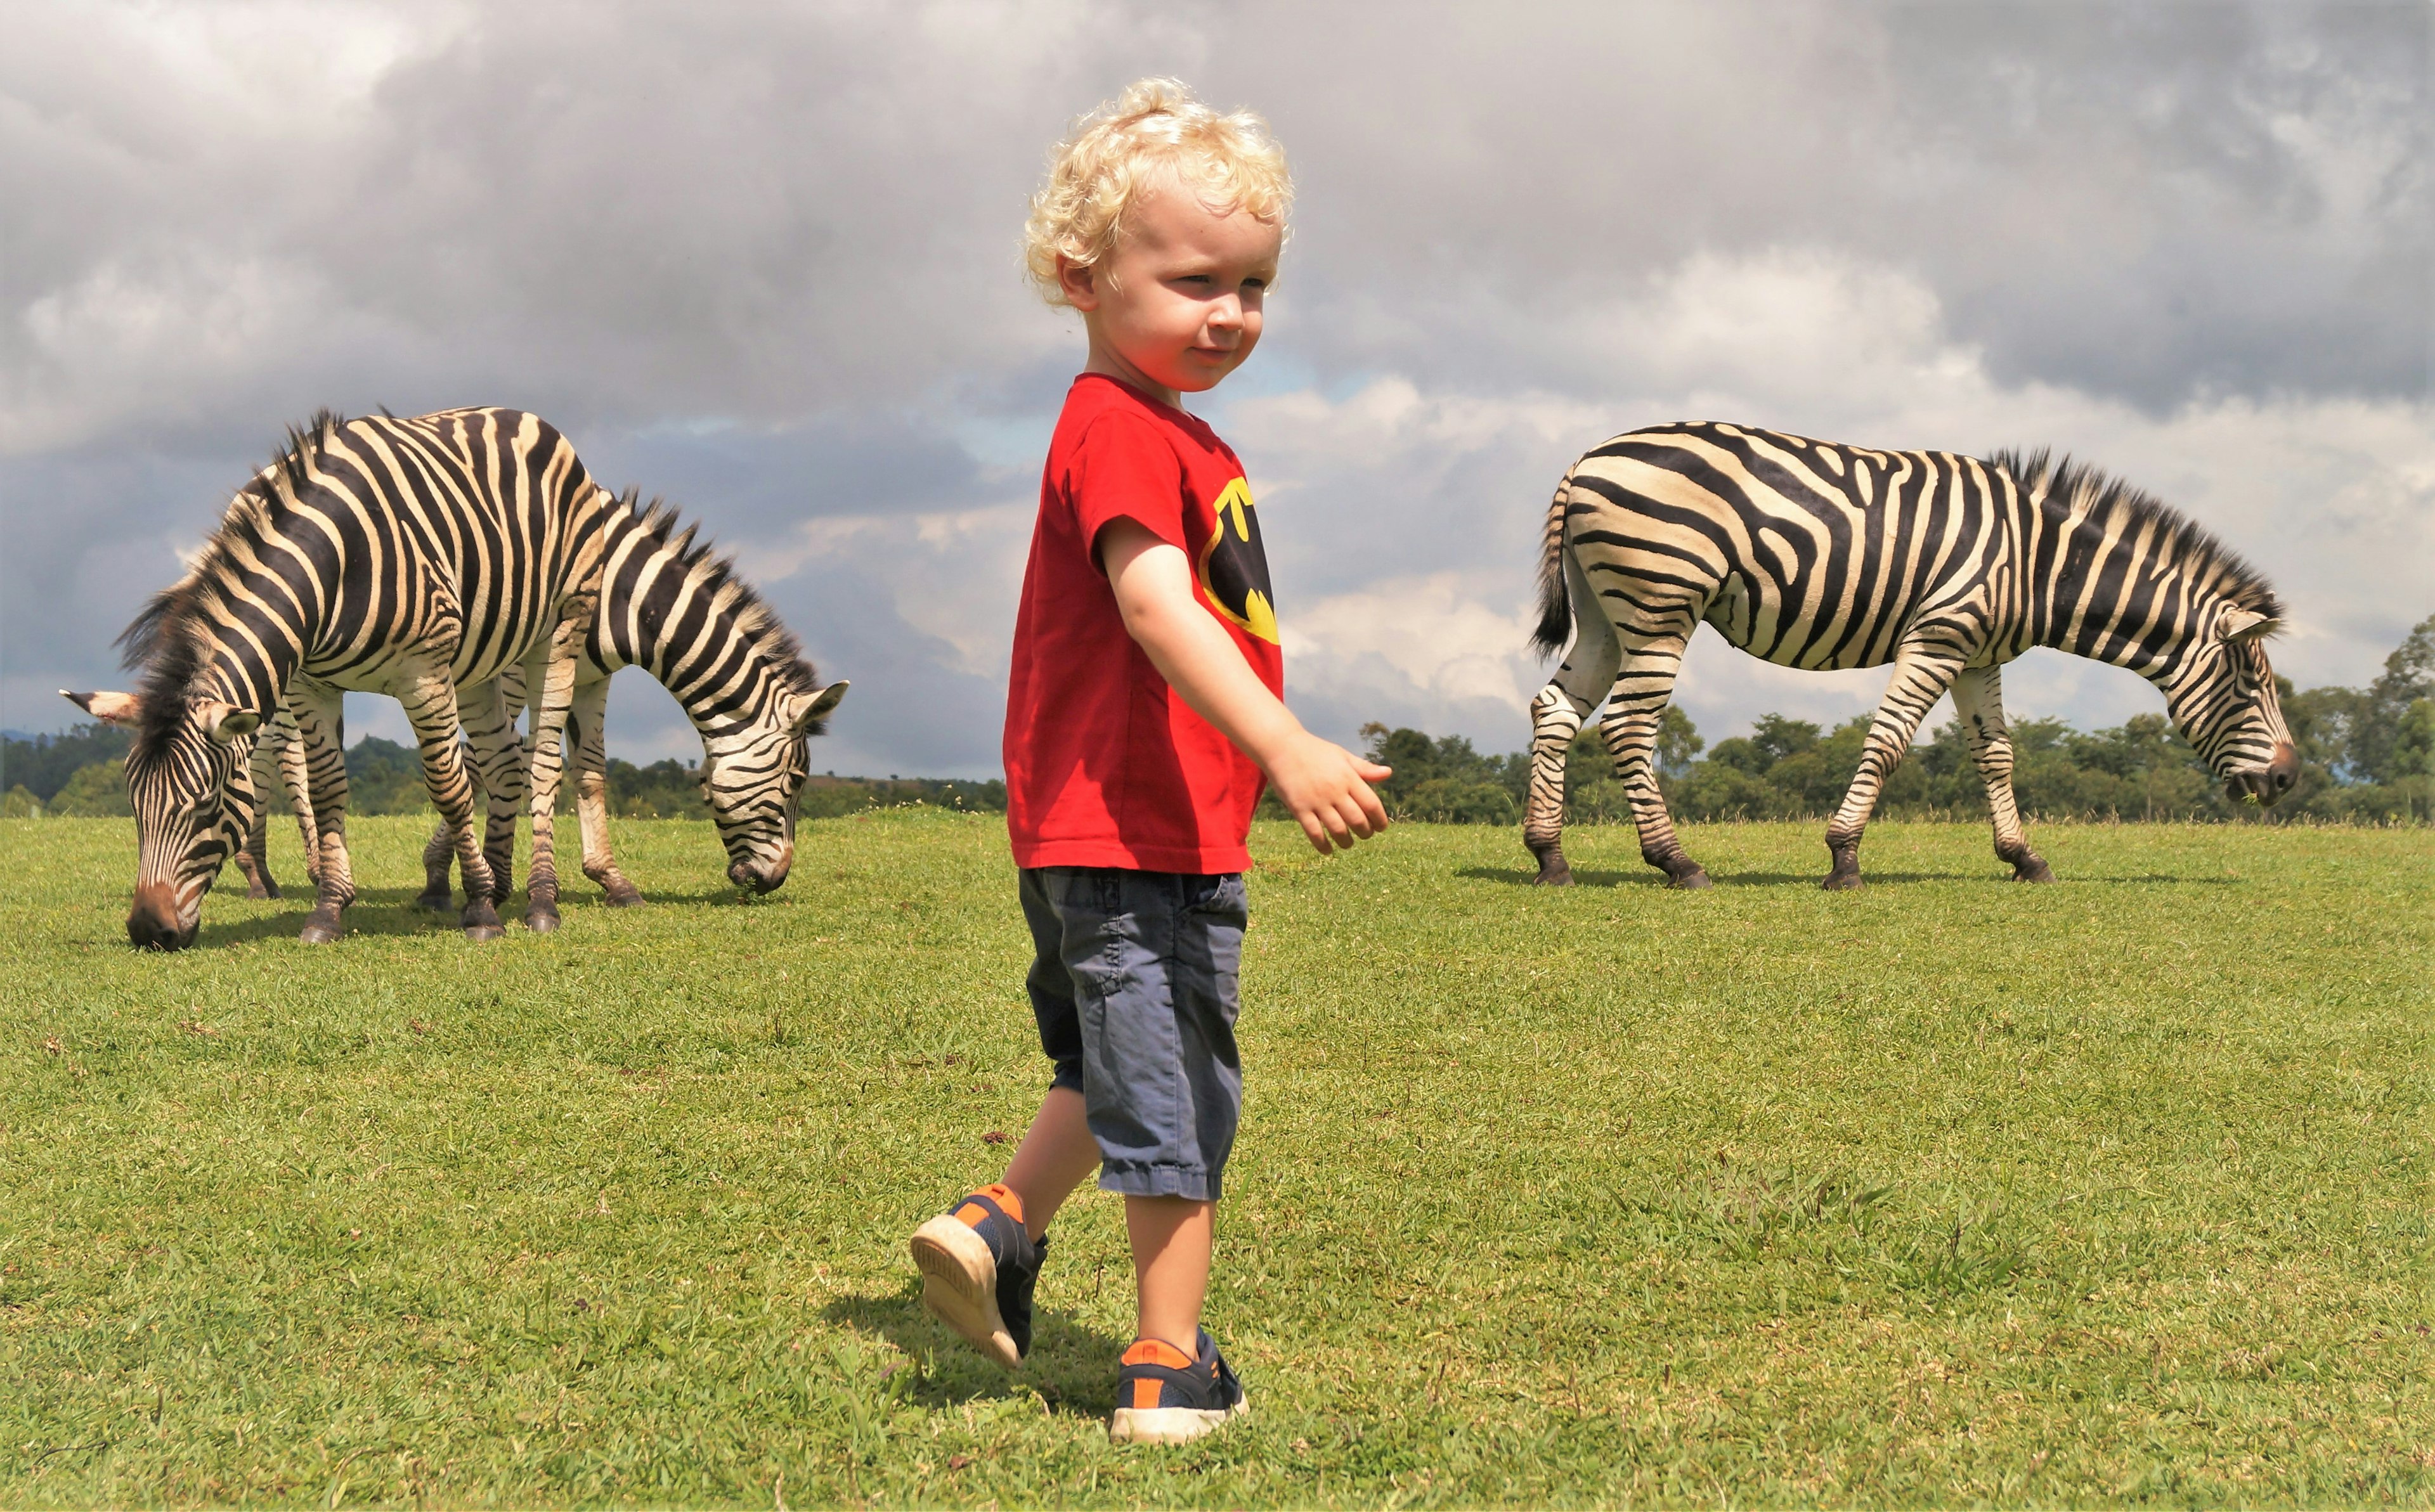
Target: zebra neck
{"points": [[249, 666], [700, 635], [2113, 588]]}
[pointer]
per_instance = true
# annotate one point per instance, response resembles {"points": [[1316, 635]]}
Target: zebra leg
{"points": [[1978, 698], [1921, 672], [430, 699], [1556, 716], [319, 711], [1635, 710], [253, 857], [439, 861], [585, 723], [498, 754], [553, 677], [294, 774]]}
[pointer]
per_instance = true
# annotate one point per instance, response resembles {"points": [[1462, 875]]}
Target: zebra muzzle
{"points": [[153, 924]]}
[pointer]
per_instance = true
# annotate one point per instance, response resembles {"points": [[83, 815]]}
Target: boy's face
{"points": [[1176, 303]]}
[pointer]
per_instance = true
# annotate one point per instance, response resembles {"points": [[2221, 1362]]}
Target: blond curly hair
{"points": [[1096, 174]]}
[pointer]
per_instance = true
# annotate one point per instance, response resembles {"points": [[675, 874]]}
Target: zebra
{"points": [[673, 607], [668, 605], [1823, 557], [410, 556]]}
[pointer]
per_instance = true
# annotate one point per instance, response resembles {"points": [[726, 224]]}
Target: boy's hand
{"points": [[1326, 788]]}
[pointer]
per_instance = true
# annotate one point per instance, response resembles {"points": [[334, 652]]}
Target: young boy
{"points": [[1142, 711]]}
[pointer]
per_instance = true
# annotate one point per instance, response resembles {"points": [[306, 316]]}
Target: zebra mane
{"points": [[2099, 497], [169, 639], [715, 573]]}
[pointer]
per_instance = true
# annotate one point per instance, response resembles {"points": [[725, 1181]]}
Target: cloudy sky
{"points": [[762, 259]]}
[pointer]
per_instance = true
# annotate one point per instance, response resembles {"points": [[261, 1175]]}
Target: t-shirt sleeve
{"points": [[1123, 469]]}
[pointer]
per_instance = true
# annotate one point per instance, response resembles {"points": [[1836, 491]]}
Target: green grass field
{"points": [[1949, 1191]]}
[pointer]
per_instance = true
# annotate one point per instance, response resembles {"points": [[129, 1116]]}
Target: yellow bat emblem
{"points": [[1235, 566]]}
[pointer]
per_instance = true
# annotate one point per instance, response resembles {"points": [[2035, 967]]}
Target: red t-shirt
{"points": [[1105, 766]]}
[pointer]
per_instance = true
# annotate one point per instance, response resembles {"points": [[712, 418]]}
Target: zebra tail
{"points": [[1555, 604]]}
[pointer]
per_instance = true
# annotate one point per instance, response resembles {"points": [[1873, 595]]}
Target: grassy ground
{"points": [[1947, 1191]]}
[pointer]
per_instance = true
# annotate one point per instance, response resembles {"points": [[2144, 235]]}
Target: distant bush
{"points": [[96, 792], [43, 764]]}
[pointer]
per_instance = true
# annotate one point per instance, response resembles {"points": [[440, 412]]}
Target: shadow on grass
{"points": [[1073, 1367], [1652, 877], [393, 911]]}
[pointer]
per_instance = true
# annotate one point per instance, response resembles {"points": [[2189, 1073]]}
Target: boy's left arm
{"points": [[1324, 786]]}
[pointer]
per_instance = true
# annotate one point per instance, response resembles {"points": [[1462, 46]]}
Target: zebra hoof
{"points": [[1554, 871], [2033, 869], [483, 934], [625, 895], [436, 902], [1691, 881], [316, 933], [1842, 882], [542, 919]]}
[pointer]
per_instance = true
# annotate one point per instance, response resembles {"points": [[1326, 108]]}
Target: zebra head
{"points": [[752, 775], [2222, 694], [190, 782]]}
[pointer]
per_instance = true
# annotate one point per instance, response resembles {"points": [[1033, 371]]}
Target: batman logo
{"points": [[1234, 567]]}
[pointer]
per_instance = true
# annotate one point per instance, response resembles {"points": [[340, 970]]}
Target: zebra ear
{"points": [[2239, 625], [114, 708], [808, 721], [225, 723]]}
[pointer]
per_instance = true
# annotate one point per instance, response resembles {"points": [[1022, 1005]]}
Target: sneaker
{"points": [[1162, 1398], [977, 1268]]}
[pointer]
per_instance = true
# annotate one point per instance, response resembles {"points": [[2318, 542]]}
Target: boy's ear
{"points": [[1075, 281]]}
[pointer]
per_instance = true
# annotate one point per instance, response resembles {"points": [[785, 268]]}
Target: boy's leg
{"points": [[979, 1260], [1057, 1155], [1164, 1087], [1171, 1243]]}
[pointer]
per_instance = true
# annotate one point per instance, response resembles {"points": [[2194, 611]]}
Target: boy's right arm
{"points": [[1324, 786]]}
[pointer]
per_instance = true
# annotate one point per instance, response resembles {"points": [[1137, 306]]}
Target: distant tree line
{"points": [[82, 772], [2366, 755]]}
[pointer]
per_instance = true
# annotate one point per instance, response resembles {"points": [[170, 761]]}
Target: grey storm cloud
{"points": [[762, 260]]}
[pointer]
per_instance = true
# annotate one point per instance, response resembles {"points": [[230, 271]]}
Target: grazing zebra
{"points": [[1822, 556], [671, 606], [404, 557]]}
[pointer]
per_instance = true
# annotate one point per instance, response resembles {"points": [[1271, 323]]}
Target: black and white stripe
{"points": [[404, 557], [1823, 557]]}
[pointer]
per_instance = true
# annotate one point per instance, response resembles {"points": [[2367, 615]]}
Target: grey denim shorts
{"points": [[1134, 982]]}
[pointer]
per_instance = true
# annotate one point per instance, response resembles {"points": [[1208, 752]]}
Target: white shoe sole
{"points": [[1169, 1425], [960, 1285]]}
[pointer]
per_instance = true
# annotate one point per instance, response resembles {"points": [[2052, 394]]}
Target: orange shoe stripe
{"points": [[999, 1192], [1145, 1395], [1157, 1351]]}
